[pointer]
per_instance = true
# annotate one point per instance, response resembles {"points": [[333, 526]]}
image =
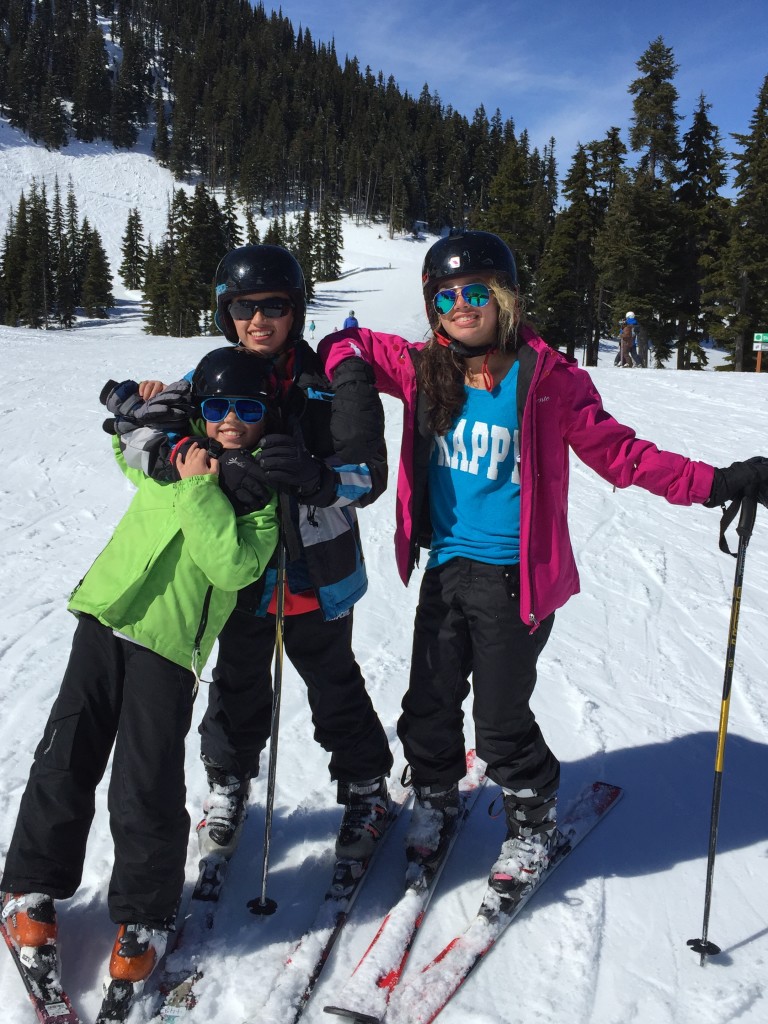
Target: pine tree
{"points": [[93, 90], [655, 119], [156, 275], [567, 279], [74, 242], [15, 260], [131, 269], [63, 263], [233, 236], [97, 295], [303, 250], [704, 231], [37, 290], [328, 241], [160, 143]]}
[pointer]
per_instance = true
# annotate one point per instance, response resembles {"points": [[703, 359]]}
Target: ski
{"points": [[51, 1003], [419, 1000], [300, 973], [182, 966], [366, 995]]}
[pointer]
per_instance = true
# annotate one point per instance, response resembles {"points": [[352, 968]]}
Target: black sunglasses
{"points": [[272, 308]]}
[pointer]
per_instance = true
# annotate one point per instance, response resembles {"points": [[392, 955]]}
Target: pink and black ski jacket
{"points": [[558, 408]]}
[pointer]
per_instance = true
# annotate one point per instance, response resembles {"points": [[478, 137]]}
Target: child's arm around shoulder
{"points": [[388, 354]]}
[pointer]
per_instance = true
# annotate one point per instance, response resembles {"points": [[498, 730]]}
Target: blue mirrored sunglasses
{"points": [[473, 294], [247, 410]]}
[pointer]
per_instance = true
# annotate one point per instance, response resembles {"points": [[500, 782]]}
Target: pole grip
{"points": [[747, 516]]}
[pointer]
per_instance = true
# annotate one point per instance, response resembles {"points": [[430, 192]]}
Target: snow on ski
{"points": [[51, 1003], [296, 981], [419, 1000], [182, 967], [365, 996]]}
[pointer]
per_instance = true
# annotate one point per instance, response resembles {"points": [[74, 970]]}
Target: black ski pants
{"points": [[236, 724], [114, 693], [468, 622]]}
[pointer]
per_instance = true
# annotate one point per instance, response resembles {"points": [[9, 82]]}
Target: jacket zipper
{"points": [[196, 667]]}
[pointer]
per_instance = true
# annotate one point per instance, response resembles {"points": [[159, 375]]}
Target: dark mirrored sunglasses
{"points": [[247, 410], [272, 308], [473, 294]]}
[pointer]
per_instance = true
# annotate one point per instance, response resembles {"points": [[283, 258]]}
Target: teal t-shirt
{"points": [[474, 480]]}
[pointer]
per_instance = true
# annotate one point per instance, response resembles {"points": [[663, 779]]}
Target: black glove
{"points": [[178, 452], [288, 466], [243, 481], [738, 479], [170, 410], [357, 415]]}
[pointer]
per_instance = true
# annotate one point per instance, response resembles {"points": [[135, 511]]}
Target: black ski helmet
{"points": [[234, 373], [259, 268], [466, 252]]}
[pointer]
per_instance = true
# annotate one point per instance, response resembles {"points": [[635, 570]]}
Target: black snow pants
{"points": [[236, 724], [468, 622], [114, 693]]}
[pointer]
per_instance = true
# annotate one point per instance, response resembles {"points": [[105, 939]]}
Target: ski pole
{"points": [[264, 906], [746, 522]]}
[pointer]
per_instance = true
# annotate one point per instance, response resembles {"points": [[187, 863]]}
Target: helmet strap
{"points": [[464, 351]]}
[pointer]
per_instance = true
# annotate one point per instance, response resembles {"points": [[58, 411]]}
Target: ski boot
{"points": [[366, 817]]}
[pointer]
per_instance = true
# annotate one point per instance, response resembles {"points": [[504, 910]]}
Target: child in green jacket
{"points": [[149, 610]]}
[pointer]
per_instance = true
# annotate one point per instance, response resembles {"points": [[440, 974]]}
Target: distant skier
{"points": [[149, 610], [491, 413], [351, 320], [312, 330], [627, 341]]}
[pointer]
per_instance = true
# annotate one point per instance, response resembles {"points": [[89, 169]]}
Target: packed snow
{"points": [[630, 684]]}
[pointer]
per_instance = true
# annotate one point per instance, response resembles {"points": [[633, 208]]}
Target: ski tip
{"points": [[353, 1015]]}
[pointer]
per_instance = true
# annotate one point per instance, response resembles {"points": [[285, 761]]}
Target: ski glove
{"points": [[357, 415], [288, 466], [243, 481], [170, 410], [738, 479], [240, 476]]}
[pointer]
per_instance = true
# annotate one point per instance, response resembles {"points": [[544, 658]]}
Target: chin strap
{"points": [[487, 375], [468, 352]]}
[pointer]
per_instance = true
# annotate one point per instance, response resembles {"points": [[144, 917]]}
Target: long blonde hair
{"points": [[441, 370]]}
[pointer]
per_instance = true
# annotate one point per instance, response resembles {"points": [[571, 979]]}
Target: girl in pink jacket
{"points": [[491, 412]]}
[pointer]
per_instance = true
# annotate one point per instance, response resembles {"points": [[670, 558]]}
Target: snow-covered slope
{"points": [[629, 686]]}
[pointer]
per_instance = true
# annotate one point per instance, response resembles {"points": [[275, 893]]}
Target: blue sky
{"points": [[557, 68]]}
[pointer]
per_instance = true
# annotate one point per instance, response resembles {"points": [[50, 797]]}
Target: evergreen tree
{"points": [[15, 260], [160, 143], [93, 90], [736, 289], [97, 295], [129, 97], [62, 260], [303, 250], [274, 235], [156, 276], [567, 279], [74, 241], [655, 119], [37, 290], [233, 236], [131, 269], [704, 231], [328, 241]]}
